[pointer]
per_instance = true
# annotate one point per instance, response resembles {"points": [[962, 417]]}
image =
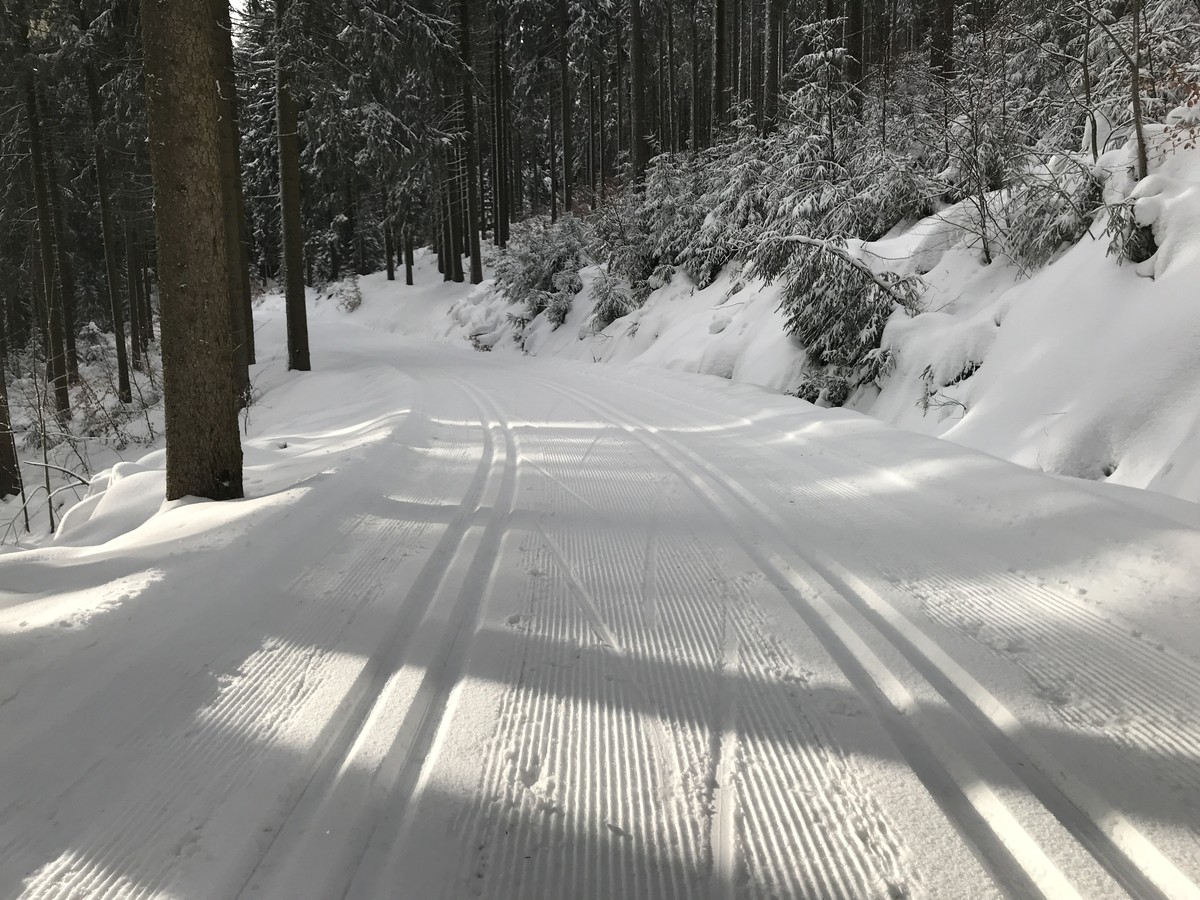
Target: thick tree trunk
{"points": [[292, 229], [566, 95], [772, 54], [467, 77], [941, 62], [855, 44], [637, 89], [204, 452], [66, 272], [231, 183], [695, 85], [720, 87]]}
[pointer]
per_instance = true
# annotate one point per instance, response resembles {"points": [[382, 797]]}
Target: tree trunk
{"points": [[695, 86], [637, 90], [941, 61], [673, 102], [772, 53], [566, 96], [467, 77], [854, 45], [389, 246], [53, 324], [132, 284], [408, 255], [292, 229], [720, 88], [231, 190], [1135, 78], [66, 273], [553, 170], [204, 451], [10, 465]]}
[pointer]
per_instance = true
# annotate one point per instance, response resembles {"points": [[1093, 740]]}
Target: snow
{"points": [[1082, 369], [508, 627]]}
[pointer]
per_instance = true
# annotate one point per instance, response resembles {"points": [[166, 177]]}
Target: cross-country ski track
{"points": [[492, 627]]}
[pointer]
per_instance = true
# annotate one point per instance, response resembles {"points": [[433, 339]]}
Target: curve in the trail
{"points": [[1014, 857]]}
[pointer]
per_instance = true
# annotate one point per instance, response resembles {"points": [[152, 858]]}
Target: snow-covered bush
{"points": [[838, 309], [1048, 209], [611, 300], [540, 268]]}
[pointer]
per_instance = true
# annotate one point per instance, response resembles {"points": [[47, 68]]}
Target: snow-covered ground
{"points": [[490, 626], [1087, 368]]}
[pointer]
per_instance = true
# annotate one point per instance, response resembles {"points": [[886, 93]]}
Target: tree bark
{"points": [[204, 452], [66, 272], [637, 89], [566, 95], [408, 255], [231, 182], [10, 465], [772, 53], [467, 77], [292, 229], [132, 284], [1135, 78], [941, 60], [53, 324], [720, 88]]}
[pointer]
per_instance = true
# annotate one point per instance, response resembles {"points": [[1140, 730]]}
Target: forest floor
{"points": [[520, 628]]}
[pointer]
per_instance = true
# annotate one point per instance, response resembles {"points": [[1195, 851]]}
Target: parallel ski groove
{"points": [[262, 698], [1004, 856]]}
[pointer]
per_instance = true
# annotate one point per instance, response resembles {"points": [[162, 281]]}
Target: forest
{"points": [[323, 140]]}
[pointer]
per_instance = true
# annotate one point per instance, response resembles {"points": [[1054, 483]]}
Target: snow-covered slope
{"points": [[1088, 368], [513, 628]]}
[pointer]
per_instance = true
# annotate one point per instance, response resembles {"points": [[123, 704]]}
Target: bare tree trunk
{"points": [[132, 284], [66, 273], [204, 451], [1135, 78], [553, 170], [941, 61], [10, 465], [720, 87], [566, 95], [637, 89], [408, 255], [231, 191], [53, 324], [467, 77], [292, 229], [772, 52], [695, 85], [389, 248]]}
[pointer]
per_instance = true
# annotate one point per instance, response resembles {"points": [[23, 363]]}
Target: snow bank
{"points": [[1084, 369]]}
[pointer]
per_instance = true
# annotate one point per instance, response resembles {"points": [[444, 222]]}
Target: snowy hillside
{"points": [[1088, 367]]}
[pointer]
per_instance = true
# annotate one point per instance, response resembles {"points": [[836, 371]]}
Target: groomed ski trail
{"points": [[550, 634]]}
